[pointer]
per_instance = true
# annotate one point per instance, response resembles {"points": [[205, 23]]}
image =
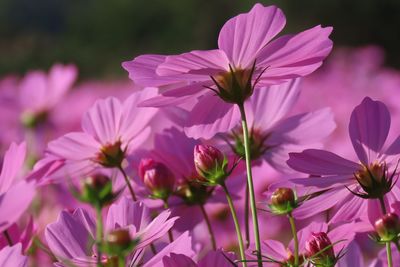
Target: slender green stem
{"points": [[170, 236], [389, 254], [121, 261], [250, 184], [99, 234], [383, 207], [236, 222], [247, 217], [210, 230], [128, 183], [295, 239], [8, 238]]}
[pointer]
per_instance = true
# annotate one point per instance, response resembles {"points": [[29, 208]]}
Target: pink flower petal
{"points": [[12, 256], [321, 162], [292, 56], [243, 36], [201, 62], [270, 104], [103, 120], [14, 203], [12, 165], [210, 116], [369, 128]]}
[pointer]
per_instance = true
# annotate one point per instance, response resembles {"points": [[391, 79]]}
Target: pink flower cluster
{"points": [[211, 158]]}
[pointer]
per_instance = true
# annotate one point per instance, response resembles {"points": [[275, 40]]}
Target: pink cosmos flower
{"points": [[41, 92], [368, 129], [12, 256], [111, 130], [71, 237], [273, 134], [247, 55], [16, 194], [277, 251]]}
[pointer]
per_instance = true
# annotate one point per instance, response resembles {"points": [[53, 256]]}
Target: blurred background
{"points": [[97, 35]]}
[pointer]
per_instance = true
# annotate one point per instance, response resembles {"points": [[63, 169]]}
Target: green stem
{"points": [[250, 184], [236, 222], [170, 236], [247, 217], [383, 207], [210, 231], [389, 254], [99, 234], [128, 183], [296, 241], [8, 238], [121, 261]]}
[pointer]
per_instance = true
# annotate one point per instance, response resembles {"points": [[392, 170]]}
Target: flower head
{"points": [[373, 177], [111, 130], [319, 248], [388, 227], [210, 164], [157, 178]]}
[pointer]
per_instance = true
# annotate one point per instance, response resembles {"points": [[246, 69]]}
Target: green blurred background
{"points": [[98, 35]]}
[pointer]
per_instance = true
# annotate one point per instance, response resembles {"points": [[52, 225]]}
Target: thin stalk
{"points": [[128, 183], [389, 254], [8, 238], [237, 227], [170, 236], [250, 184], [121, 261], [247, 217], [99, 234], [210, 230], [295, 239], [383, 207]]}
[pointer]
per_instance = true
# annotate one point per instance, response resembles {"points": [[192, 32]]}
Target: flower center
{"points": [[235, 85], [256, 139], [375, 180], [111, 155]]}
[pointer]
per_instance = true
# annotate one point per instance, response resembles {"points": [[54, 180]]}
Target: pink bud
{"points": [[206, 158], [388, 227], [318, 242], [157, 177]]}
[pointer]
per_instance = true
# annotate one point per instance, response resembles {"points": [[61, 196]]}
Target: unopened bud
{"points": [[210, 164], [97, 190], [283, 201], [388, 227], [157, 178], [320, 250]]}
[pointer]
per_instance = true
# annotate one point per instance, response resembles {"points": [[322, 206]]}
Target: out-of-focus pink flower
{"points": [[273, 134], [16, 194], [71, 237], [111, 130], [368, 129], [41, 92], [12, 256], [247, 57]]}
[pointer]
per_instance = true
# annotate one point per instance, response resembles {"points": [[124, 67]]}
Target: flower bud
{"points": [[97, 190], [210, 164], [388, 227], [319, 248], [111, 155], [157, 178], [119, 242], [283, 201]]}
